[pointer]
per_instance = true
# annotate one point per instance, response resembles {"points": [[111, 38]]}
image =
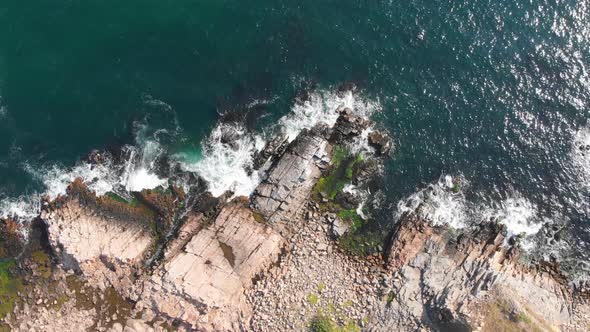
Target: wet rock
{"points": [[12, 243], [347, 200], [381, 142], [272, 150], [366, 171], [348, 126], [98, 157]]}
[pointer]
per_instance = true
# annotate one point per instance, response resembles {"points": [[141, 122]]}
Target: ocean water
{"points": [[495, 93]]}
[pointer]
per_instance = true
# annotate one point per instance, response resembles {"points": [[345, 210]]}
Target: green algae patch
{"points": [[43, 262], [323, 323], [331, 317], [501, 315], [313, 299], [10, 285], [338, 176], [259, 217], [120, 199], [111, 205], [361, 244], [351, 216]]}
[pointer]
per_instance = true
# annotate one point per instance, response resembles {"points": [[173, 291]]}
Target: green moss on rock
{"points": [[351, 216], [361, 244], [10, 285], [339, 174], [323, 323]]}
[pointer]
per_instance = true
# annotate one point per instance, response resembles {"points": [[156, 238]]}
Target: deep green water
{"points": [[494, 91]]}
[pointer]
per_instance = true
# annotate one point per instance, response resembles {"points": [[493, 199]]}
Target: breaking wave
{"points": [[137, 172], [444, 204], [227, 159], [228, 152], [520, 217], [441, 203], [323, 107]]}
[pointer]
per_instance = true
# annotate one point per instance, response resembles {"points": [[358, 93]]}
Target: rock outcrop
{"points": [[292, 178], [203, 284], [347, 126], [451, 283], [89, 239], [381, 142]]}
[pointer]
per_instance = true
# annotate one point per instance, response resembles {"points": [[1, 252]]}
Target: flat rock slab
{"points": [[292, 178], [203, 285], [102, 248]]}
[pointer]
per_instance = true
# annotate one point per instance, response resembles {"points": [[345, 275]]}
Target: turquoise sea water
{"points": [[496, 92]]}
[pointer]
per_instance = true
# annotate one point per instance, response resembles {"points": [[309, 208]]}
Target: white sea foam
{"points": [[142, 179], [137, 173], [363, 196], [23, 208], [227, 156], [322, 107], [519, 215], [360, 144], [99, 179], [139, 169], [438, 204], [227, 165]]}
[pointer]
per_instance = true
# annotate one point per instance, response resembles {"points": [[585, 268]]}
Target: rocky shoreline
{"points": [[285, 259]]}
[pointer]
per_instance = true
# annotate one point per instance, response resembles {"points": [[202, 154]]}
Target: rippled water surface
{"points": [[493, 92]]}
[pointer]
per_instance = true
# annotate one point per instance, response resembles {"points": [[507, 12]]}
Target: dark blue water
{"points": [[494, 91]]}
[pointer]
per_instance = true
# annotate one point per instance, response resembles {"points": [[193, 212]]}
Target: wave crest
{"points": [[227, 160]]}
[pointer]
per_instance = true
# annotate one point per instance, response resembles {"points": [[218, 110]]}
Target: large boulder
{"points": [[273, 149], [348, 125]]}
